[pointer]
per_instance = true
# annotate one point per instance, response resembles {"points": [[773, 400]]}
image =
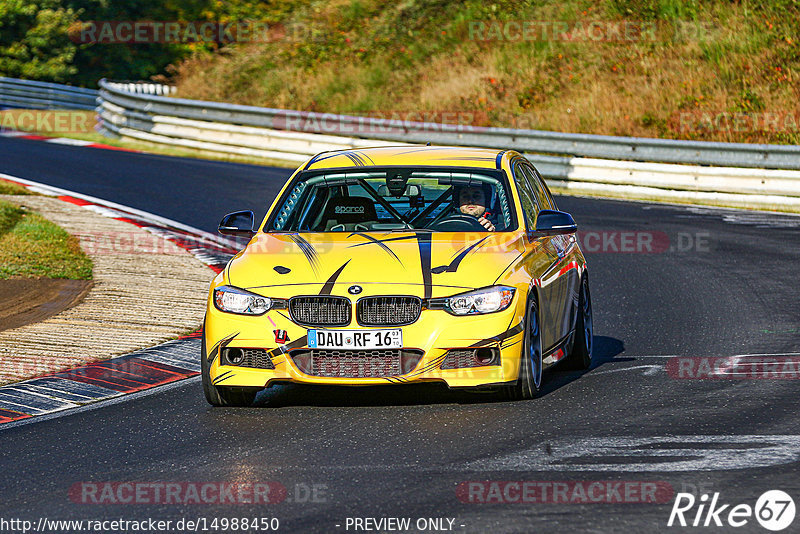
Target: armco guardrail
{"points": [[295, 136], [42, 95], [145, 88], [743, 175], [576, 145]]}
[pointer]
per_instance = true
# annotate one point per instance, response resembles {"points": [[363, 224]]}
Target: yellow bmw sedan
{"points": [[399, 265]]}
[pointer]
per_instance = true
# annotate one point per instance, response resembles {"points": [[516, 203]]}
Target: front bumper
{"points": [[434, 333]]}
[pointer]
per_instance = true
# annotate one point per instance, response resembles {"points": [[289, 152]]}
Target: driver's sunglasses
{"points": [[474, 196]]}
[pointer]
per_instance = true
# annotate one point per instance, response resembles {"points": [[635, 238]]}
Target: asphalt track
{"points": [[724, 284]]}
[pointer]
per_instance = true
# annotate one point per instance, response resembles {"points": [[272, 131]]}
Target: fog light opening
{"points": [[485, 356], [235, 356]]}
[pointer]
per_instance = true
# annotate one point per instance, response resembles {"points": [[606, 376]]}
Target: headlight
{"points": [[234, 300], [488, 300]]}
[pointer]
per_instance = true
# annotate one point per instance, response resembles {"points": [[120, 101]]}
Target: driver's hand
{"points": [[486, 223]]}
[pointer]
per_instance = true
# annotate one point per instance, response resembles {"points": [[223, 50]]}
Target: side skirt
{"points": [[557, 352]]}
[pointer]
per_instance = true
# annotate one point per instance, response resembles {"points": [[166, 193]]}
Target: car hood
{"points": [[467, 260]]}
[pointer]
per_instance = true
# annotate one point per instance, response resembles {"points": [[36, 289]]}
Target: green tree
{"points": [[34, 42]]}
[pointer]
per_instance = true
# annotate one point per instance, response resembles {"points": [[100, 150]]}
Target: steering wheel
{"points": [[458, 223]]}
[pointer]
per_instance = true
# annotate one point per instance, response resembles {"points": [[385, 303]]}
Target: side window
{"points": [[528, 199], [545, 201], [546, 190]]}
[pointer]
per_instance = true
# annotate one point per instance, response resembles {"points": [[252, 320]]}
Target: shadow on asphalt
{"points": [[280, 395], [605, 350]]}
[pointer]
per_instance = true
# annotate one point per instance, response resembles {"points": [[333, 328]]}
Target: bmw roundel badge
{"points": [[354, 290]]}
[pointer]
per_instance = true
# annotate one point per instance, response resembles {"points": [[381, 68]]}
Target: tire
{"points": [[218, 395], [529, 381], [580, 356]]}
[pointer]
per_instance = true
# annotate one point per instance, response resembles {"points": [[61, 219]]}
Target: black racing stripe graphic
{"points": [[387, 240], [431, 365], [453, 267], [319, 157], [328, 286], [362, 161], [424, 243], [376, 242], [215, 350], [355, 158], [512, 262], [365, 156], [500, 337], [223, 376], [313, 160], [297, 343], [212, 354], [505, 346], [350, 157], [308, 251], [282, 315]]}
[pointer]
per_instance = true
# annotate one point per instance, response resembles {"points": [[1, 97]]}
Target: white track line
{"points": [[623, 355], [651, 370], [56, 191], [100, 404], [144, 215]]}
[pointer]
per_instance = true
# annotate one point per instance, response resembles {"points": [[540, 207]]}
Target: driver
{"points": [[472, 201]]}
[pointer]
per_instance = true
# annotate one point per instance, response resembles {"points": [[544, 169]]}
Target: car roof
{"points": [[444, 156]]}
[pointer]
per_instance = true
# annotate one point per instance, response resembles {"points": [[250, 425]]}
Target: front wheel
{"points": [[530, 366], [580, 357], [219, 395]]}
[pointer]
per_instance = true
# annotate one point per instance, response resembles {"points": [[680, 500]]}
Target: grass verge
{"points": [[33, 247], [9, 188], [716, 70]]}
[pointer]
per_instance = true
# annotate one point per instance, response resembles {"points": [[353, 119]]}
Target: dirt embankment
{"points": [[29, 300]]}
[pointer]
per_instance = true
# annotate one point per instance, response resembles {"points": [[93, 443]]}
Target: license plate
{"points": [[355, 339]]}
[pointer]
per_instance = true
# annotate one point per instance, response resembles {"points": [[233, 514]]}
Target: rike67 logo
{"points": [[774, 510]]}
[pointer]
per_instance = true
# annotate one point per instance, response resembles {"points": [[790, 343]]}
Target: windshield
{"points": [[396, 199]]}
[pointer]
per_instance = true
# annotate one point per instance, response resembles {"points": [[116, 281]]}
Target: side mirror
{"points": [[238, 224], [552, 222]]}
